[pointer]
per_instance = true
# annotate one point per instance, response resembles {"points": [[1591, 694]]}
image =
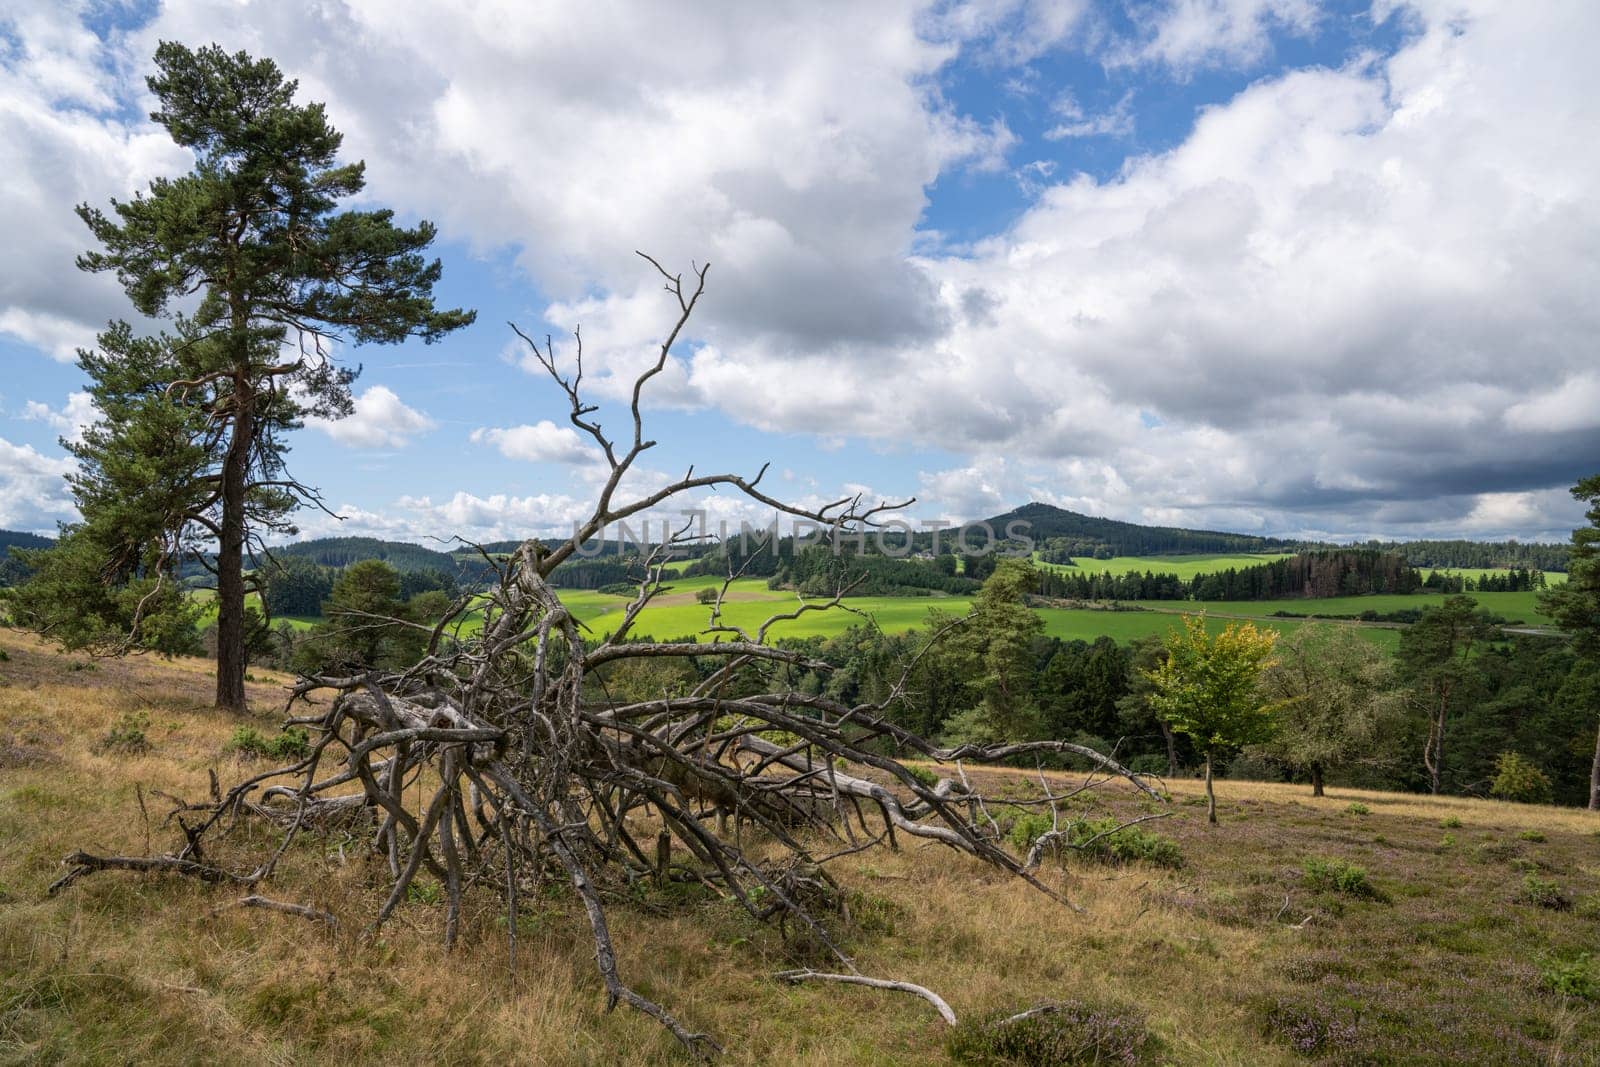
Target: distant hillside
{"points": [[343, 551], [11, 570], [18, 539], [1059, 532]]}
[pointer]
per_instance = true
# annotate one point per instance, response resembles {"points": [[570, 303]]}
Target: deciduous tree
{"points": [[1337, 695], [1210, 689]]}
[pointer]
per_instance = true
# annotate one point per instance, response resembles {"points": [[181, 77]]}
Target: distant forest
{"points": [[1311, 575]]}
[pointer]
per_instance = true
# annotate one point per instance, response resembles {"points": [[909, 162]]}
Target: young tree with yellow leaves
{"points": [[1210, 688]]}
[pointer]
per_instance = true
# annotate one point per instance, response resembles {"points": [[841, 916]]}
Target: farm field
{"points": [[677, 614], [1517, 606], [1436, 951]]}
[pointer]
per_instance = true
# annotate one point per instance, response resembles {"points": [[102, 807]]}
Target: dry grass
{"points": [[1444, 969]]}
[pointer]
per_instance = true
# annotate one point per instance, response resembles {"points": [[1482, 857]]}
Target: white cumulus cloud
{"points": [[541, 442], [380, 420]]}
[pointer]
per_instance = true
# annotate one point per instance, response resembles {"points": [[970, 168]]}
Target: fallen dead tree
{"points": [[499, 757]]}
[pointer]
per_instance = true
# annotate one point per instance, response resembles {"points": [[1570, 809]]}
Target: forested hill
{"points": [[10, 539], [343, 551], [11, 570], [1062, 533], [1062, 536]]}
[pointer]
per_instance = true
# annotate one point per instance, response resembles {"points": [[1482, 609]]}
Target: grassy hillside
{"points": [[1236, 957]]}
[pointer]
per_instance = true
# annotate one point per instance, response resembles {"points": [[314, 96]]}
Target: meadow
{"points": [[1357, 928], [750, 602]]}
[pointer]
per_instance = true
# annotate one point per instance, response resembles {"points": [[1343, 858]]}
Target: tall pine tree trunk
{"points": [[230, 554], [1594, 777], [1316, 779], [1211, 794]]}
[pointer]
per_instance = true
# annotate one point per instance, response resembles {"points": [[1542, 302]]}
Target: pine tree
{"points": [[1575, 605], [280, 275]]}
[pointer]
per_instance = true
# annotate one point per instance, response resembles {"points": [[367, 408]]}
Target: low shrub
{"points": [[1062, 1035], [1543, 893], [1532, 835], [1340, 877], [292, 744], [1492, 850], [1357, 808], [127, 734], [1101, 839], [1308, 1025], [1578, 978], [1449, 822]]}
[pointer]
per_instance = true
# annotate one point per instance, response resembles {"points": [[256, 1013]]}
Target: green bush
{"points": [[1101, 839], [1516, 778], [1450, 822], [1532, 835], [1357, 808], [293, 744], [1027, 828], [1577, 978], [1067, 1034], [127, 734], [1340, 877], [1543, 893]]}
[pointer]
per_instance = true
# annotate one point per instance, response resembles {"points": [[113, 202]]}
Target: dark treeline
{"points": [[293, 585], [1311, 575], [819, 570], [1477, 554]]}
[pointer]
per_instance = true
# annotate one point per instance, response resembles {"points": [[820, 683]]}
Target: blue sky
{"points": [[1282, 266]]}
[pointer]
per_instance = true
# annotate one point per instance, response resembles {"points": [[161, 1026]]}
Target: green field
{"points": [[1515, 606], [750, 602], [208, 597]]}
